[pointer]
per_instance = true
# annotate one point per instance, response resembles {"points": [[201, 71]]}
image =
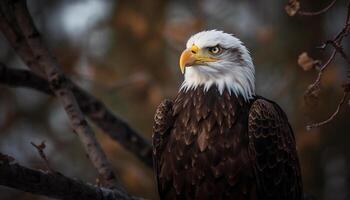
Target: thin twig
{"points": [[317, 82], [337, 48], [340, 49], [340, 104], [348, 15], [40, 148], [307, 13]]}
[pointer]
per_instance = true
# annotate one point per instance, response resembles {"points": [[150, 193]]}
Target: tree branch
{"points": [[23, 78], [336, 43], [54, 185], [93, 108], [316, 84], [18, 27], [340, 104], [59, 85], [10, 30]]}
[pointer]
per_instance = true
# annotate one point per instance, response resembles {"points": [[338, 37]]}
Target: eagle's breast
{"points": [[206, 155]]}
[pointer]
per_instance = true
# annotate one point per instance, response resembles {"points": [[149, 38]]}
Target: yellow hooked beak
{"points": [[192, 56]]}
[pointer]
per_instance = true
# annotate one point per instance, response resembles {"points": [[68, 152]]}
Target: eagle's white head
{"points": [[217, 58]]}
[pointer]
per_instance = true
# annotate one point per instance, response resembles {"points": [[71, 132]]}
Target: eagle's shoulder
{"points": [[262, 108], [163, 121], [267, 117], [163, 117], [272, 150]]}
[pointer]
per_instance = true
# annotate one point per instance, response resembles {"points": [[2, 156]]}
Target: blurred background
{"points": [[126, 53]]}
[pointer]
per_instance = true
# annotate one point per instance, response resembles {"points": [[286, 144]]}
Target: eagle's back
{"points": [[205, 155]]}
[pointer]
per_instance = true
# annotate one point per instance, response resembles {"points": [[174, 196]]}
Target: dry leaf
{"points": [[292, 7], [305, 62]]}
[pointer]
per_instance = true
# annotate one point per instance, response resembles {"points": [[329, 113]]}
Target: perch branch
{"points": [[53, 184], [93, 108]]}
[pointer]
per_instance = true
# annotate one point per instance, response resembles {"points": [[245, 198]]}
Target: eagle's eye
{"points": [[214, 50]]}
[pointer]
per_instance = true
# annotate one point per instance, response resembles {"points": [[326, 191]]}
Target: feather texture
{"points": [[273, 152], [209, 145], [202, 152]]}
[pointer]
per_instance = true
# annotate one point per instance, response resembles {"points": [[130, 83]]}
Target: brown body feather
{"points": [[209, 145]]}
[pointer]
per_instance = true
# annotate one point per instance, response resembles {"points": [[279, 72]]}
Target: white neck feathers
{"points": [[238, 81]]}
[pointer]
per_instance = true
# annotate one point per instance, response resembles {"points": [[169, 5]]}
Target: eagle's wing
{"points": [[273, 152], [163, 121]]}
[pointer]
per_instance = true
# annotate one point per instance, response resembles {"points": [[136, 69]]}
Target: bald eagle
{"points": [[217, 139]]}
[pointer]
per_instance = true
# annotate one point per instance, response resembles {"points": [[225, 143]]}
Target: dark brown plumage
{"points": [[212, 146]]}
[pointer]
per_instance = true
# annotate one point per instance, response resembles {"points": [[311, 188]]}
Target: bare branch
{"points": [[58, 83], [336, 42], [316, 83], [18, 27], [97, 112], [16, 39], [54, 185], [340, 104], [340, 49], [23, 78]]}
